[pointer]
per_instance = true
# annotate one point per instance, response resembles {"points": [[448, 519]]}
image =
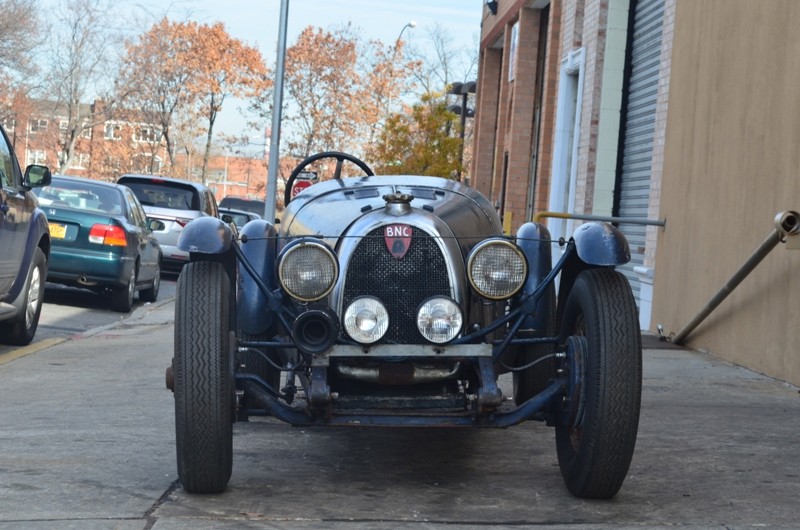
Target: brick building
{"points": [[107, 149], [679, 113], [568, 110]]}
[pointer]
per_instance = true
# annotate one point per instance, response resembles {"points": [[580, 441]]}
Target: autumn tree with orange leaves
{"points": [[224, 68], [180, 69], [338, 90], [156, 74]]}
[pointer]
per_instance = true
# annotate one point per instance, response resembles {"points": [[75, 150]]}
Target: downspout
{"points": [[786, 224]]}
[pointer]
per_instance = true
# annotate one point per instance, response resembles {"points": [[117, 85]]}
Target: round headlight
{"points": [[366, 320], [497, 269], [308, 271], [439, 319]]}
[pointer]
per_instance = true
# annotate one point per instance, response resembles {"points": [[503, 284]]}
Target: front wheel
{"points": [[22, 329], [599, 418], [203, 375]]}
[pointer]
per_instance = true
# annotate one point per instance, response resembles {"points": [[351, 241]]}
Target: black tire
{"points": [[122, 296], [203, 377], [530, 382], [21, 330], [595, 439], [151, 293]]}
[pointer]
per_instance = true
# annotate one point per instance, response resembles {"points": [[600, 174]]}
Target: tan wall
{"points": [[732, 158]]}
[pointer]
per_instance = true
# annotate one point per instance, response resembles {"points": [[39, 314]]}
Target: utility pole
{"points": [[277, 108]]}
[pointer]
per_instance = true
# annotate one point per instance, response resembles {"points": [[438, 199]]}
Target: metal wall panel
{"points": [[639, 126]]}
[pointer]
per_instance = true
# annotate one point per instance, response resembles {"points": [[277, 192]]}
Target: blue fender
{"points": [[534, 241], [601, 244], [259, 242], [206, 235], [37, 232]]}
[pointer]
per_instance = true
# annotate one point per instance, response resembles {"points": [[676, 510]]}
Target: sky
{"points": [[256, 23]]}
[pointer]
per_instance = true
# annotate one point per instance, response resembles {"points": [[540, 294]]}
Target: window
{"points": [[113, 131], [9, 124], [6, 165], [147, 134], [146, 163], [37, 125], [37, 156], [86, 132], [63, 125], [81, 161]]}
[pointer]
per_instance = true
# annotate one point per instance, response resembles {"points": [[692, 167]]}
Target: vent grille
{"points": [[401, 284]]}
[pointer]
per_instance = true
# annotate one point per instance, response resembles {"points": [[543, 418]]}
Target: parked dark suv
{"points": [[174, 202], [24, 247], [255, 206]]}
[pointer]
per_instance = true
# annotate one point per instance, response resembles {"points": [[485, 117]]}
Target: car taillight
{"points": [[108, 235], [182, 222]]}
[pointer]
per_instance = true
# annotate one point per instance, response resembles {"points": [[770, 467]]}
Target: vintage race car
{"points": [[398, 301]]}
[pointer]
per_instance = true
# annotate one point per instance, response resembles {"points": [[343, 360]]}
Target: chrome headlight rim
{"points": [[482, 247], [359, 335], [303, 244], [444, 299]]}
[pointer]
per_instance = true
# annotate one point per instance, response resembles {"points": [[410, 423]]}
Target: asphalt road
{"points": [[87, 442]]}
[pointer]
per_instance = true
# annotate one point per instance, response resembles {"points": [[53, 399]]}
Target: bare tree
{"points": [[79, 63], [19, 35], [442, 63]]}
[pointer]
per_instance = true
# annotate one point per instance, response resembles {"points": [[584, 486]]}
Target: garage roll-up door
{"points": [[633, 189]]}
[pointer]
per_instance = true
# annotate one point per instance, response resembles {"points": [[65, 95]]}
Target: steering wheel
{"points": [[337, 174]]}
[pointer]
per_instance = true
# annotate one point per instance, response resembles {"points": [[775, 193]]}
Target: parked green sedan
{"points": [[101, 240]]}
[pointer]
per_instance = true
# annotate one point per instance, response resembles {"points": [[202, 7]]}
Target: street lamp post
{"points": [[463, 90], [411, 24], [277, 106]]}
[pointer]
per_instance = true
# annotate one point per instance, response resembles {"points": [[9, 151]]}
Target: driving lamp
{"points": [[497, 269], [308, 270], [366, 320], [439, 320]]}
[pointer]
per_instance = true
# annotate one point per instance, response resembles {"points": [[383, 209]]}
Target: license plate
{"points": [[58, 231]]}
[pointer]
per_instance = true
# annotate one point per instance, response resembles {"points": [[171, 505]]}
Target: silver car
{"points": [[174, 202]]}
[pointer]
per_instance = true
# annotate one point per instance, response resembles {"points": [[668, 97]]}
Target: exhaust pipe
{"points": [[315, 331], [786, 224]]}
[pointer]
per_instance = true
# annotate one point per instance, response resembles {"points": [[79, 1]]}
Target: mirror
{"points": [[37, 176]]}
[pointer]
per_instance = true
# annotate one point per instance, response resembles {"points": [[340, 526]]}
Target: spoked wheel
{"points": [[528, 383], [599, 418], [203, 372], [337, 173], [252, 362]]}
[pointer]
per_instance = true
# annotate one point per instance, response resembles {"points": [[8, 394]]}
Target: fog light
{"points": [[366, 320], [439, 320]]}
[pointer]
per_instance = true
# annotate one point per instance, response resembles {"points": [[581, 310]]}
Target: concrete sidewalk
{"points": [[717, 448]]}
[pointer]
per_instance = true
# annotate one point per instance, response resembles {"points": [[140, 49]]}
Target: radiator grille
{"points": [[401, 284]]}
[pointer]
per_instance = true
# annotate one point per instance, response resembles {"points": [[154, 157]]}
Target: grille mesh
{"points": [[401, 284]]}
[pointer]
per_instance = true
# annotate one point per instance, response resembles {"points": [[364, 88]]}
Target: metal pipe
{"points": [[604, 218], [786, 223]]}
